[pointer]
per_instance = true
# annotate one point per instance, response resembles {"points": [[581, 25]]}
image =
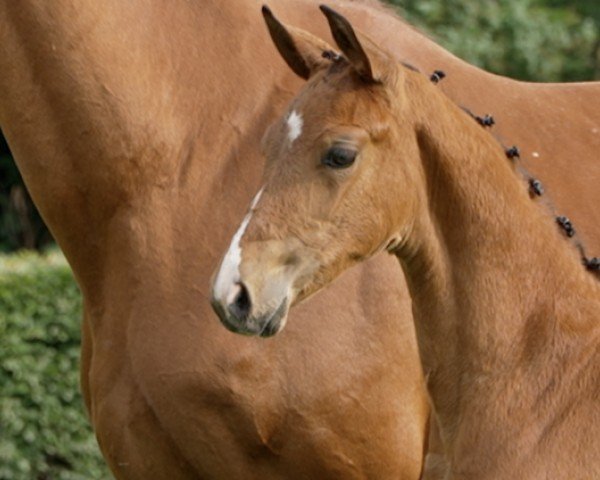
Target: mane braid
{"points": [[536, 189], [513, 153], [592, 264]]}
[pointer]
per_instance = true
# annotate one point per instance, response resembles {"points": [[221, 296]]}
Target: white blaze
{"points": [[229, 273], [294, 122]]}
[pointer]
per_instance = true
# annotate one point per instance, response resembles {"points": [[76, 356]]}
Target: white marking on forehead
{"points": [[229, 273], [535, 154], [294, 123]]}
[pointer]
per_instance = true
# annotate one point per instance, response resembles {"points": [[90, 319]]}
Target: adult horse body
{"points": [[136, 127], [370, 156]]}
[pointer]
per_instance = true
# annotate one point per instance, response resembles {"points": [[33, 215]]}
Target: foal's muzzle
{"points": [[238, 313], [253, 295]]}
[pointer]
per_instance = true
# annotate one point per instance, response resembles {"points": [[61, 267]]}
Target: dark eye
{"points": [[339, 157]]}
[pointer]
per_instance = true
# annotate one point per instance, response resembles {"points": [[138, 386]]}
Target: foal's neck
{"points": [[494, 285]]}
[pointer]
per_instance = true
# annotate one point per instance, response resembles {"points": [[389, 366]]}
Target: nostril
{"points": [[241, 304]]}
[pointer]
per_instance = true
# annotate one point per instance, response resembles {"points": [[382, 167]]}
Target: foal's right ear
{"points": [[303, 52]]}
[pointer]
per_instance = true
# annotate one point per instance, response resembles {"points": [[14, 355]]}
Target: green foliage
{"points": [[44, 431], [538, 40]]}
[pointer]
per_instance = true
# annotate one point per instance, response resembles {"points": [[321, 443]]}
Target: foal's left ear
{"points": [[370, 62]]}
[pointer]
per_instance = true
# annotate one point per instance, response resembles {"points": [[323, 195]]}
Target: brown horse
{"points": [[136, 126], [372, 157]]}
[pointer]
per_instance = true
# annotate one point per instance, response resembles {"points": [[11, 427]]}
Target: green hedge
{"points": [[44, 431]]}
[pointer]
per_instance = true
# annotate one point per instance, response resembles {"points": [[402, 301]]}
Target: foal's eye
{"points": [[339, 157]]}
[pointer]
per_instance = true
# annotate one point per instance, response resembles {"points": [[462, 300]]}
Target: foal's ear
{"points": [[303, 52], [371, 67]]}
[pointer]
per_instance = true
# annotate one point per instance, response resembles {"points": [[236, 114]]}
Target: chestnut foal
{"points": [[371, 156]]}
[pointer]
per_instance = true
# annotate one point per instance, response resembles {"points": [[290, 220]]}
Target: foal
{"points": [[371, 156]]}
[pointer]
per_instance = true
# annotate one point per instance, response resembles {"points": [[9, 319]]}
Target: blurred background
{"points": [[44, 434]]}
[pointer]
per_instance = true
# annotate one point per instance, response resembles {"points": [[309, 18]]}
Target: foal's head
{"points": [[338, 182]]}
